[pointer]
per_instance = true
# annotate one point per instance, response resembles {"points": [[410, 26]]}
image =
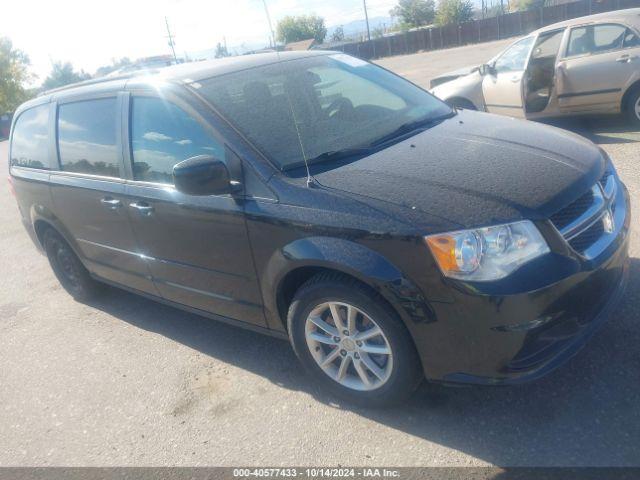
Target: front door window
{"points": [[162, 135]]}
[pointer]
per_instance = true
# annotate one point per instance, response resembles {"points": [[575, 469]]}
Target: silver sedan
{"points": [[588, 65]]}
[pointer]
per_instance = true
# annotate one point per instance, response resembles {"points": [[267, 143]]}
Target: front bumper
{"points": [[493, 337]]}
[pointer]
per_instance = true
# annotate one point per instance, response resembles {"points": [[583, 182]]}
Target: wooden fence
{"points": [[477, 31]]}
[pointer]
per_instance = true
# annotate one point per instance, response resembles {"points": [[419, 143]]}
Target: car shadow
{"points": [[585, 413], [603, 130]]}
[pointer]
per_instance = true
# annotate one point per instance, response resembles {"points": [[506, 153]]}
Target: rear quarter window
{"points": [[30, 141]]}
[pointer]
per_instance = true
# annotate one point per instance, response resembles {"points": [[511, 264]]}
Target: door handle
{"points": [[111, 203], [516, 78], [142, 207]]}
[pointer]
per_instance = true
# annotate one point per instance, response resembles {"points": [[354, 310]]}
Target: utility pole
{"points": [[273, 35], [171, 43], [366, 17]]}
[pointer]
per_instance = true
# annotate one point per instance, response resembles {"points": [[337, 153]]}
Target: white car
{"points": [[588, 65]]}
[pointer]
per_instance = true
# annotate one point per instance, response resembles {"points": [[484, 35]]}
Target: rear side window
{"points": [[30, 144], [162, 135], [596, 39], [87, 137]]}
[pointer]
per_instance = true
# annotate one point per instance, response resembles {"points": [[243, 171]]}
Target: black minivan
{"points": [[315, 196]]}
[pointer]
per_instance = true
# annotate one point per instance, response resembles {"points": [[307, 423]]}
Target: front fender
{"points": [[468, 87], [350, 258]]}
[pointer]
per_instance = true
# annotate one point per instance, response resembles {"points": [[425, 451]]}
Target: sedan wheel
{"points": [[632, 106]]}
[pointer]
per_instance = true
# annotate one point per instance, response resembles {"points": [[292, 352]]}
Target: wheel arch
{"points": [[634, 87], [41, 224], [292, 266]]}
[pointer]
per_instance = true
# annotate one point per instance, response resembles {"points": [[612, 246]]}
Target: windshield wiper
{"points": [[376, 145], [410, 127], [333, 155]]}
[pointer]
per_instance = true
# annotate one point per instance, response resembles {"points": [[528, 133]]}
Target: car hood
{"points": [[447, 77], [474, 169]]}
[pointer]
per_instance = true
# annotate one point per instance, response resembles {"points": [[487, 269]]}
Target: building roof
{"points": [[301, 45]]}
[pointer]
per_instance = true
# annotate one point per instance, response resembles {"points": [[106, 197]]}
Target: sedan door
{"points": [[599, 62], [197, 246], [502, 86]]}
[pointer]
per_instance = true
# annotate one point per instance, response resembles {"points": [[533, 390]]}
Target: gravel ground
{"points": [[127, 381]]}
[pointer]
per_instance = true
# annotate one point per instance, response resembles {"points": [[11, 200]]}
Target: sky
{"points": [[89, 33]]}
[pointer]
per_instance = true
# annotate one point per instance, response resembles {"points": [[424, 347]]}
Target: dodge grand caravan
{"points": [[320, 198]]}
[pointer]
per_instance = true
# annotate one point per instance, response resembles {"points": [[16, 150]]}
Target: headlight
{"points": [[489, 253]]}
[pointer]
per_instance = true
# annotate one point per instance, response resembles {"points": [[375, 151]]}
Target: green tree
{"points": [[414, 13], [338, 34], [221, 51], [303, 27], [454, 11], [520, 5], [63, 74], [377, 32], [14, 73]]}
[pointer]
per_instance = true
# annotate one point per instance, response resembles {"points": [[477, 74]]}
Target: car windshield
{"points": [[318, 106]]}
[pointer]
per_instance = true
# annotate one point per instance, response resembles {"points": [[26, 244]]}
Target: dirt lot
{"points": [[127, 381]]}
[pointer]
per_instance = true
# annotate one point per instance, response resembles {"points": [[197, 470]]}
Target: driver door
{"points": [[502, 86]]}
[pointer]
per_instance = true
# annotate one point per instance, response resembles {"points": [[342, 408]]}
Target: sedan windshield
{"points": [[321, 107]]}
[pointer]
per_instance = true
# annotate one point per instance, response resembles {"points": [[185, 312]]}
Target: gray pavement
{"points": [[421, 67], [127, 381]]}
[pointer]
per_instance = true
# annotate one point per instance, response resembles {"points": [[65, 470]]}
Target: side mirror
{"points": [[202, 175], [486, 69]]}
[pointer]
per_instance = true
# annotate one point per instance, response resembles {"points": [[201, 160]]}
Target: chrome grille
{"points": [[565, 216], [587, 238], [604, 178], [588, 220]]}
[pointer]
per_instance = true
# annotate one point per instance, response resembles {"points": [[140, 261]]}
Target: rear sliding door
{"points": [[88, 190]]}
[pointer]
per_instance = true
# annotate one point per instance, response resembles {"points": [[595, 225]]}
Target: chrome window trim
{"points": [[89, 176]]}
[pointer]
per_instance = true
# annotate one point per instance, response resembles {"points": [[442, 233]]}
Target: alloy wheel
{"points": [[349, 346]]}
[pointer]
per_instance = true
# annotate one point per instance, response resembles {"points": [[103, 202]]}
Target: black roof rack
{"points": [[94, 81]]}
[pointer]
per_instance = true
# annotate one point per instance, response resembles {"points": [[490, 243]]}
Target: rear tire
{"points": [[68, 268], [631, 107], [369, 377]]}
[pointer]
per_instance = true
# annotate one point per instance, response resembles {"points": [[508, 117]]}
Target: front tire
{"points": [[632, 107], [68, 268], [352, 342]]}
